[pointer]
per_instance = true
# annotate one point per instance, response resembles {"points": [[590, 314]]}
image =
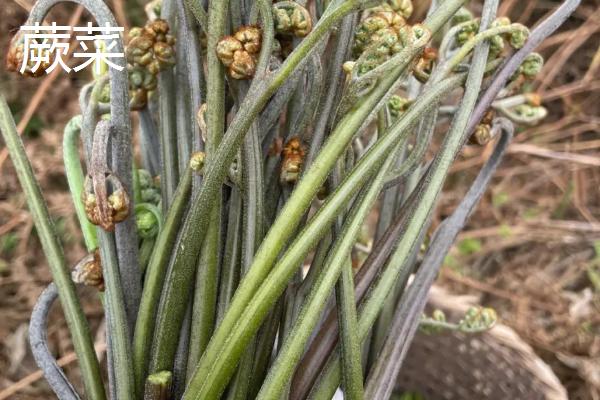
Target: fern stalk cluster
{"points": [[231, 257]]}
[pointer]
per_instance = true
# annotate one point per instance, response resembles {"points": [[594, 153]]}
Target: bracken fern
{"points": [[231, 258]]}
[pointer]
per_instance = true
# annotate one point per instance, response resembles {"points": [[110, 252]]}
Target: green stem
{"points": [[316, 266], [75, 177], [174, 300], [344, 292], [82, 341], [158, 386], [137, 188], [205, 293], [253, 203], [310, 313], [167, 125], [146, 250], [416, 221], [230, 270], [217, 364], [264, 349], [116, 318], [155, 275], [199, 12], [350, 341], [464, 51], [386, 211], [294, 344], [438, 18], [253, 187], [285, 225], [193, 231]]}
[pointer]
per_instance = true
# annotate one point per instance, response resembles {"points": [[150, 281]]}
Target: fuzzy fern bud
{"points": [[382, 26], [532, 65], [403, 7], [424, 66], [151, 46], [478, 319], [15, 56], [293, 160], [197, 161], [88, 271], [142, 85], [467, 31], [397, 105], [462, 15], [290, 18], [483, 131], [519, 36], [530, 114], [150, 190], [108, 211], [240, 52], [146, 222]]}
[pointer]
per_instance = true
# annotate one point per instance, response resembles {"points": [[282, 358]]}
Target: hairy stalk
{"points": [[167, 123], [346, 311], [154, 279], [195, 78], [196, 223], [306, 189], [125, 232], [253, 204], [173, 304], [423, 137], [149, 142], [180, 363], [253, 187], [183, 108], [75, 177], [205, 293], [464, 51], [386, 211], [158, 386], [252, 310], [265, 345], [230, 270], [294, 209], [116, 318], [382, 379], [114, 304], [333, 86], [76, 321], [199, 12], [294, 343], [418, 217], [38, 340], [317, 264]]}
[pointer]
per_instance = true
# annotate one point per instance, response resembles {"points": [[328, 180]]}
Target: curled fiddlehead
{"points": [[38, 340]]}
